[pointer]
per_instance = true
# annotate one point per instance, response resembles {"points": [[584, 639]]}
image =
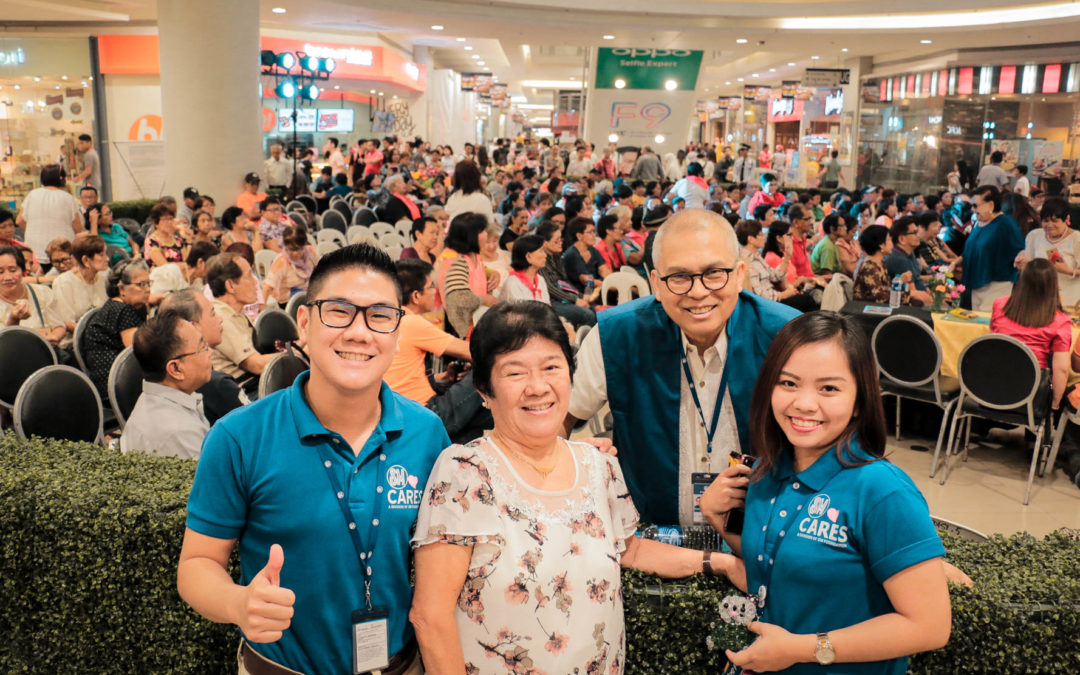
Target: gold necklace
{"points": [[544, 473]]}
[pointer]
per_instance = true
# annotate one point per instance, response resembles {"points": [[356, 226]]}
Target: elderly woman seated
{"points": [[112, 328], [521, 535]]}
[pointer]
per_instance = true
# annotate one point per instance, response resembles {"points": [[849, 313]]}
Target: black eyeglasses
{"points": [[713, 279], [341, 314], [203, 347]]}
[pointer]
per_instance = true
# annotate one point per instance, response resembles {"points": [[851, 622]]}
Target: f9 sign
{"points": [[652, 114]]}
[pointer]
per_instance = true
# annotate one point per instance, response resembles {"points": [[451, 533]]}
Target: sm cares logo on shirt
{"points": [[826, 530], [405, 491]]}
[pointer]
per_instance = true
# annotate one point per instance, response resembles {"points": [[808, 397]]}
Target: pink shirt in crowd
{"points": [[1043, 340]]}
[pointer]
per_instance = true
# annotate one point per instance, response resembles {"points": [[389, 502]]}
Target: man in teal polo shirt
{"points": [[319, 485], [665, 363]]}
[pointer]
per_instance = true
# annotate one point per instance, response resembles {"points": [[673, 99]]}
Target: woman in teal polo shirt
{"points": [[838, 544]]}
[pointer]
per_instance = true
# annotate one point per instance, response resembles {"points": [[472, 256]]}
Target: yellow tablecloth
{"points": [[955, 335]]}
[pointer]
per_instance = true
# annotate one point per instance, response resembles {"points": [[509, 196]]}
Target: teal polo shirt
{"points": [[832, 535], [260, 480]]}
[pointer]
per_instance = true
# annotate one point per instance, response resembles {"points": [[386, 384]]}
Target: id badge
{"points": [[371, 643], [699, 483]]}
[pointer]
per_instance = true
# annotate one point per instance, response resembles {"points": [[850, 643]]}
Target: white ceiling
{"points": [[557, 33]]}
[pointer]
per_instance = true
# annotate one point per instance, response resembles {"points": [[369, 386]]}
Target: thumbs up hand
{"points": [[268, 608]]}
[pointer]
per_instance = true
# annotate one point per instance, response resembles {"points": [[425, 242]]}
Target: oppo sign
{"points": [[651, 53]]}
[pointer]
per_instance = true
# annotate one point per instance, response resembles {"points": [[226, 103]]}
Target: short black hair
{"points": [[996, 157], [85, 137], [832, 221], [745, 229], [159, 211], [546, 229], [419, 225], [900, 228], [1054, 207], [464, 232], [761, 210], [927, 218], [200, 250], [931, 202], [88, 187], [6, 215], [989, 193], [605, 223], [623, 192], [413, 274], [872, 238], [14, 251], [573, 205], [53, 175], [229, 216], [220, 269], [695, 169], [341, 179], [902, 201], [1022, 168], [505, 328], [268, 201], [364, 256], [523, 246], [574, 228], [767, 178], [156, 343]]}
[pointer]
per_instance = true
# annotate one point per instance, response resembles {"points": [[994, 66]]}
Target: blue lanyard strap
{"points": [[364, 553], [710, 430]]}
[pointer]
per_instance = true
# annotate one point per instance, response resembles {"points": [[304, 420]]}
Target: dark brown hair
{"points": [[1034, 300], [867, 424]]}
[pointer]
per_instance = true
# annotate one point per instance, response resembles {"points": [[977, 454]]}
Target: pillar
{"points": [[210, 98], [418, 106]]}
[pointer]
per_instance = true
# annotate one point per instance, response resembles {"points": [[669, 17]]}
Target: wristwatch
{"points": [[706, 564], [823, 652]]}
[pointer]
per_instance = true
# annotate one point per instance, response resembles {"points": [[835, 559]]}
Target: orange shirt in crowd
{"points": [[407, 374], [246, 201]]}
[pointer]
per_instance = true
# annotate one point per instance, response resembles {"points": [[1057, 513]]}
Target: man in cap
{"points": [[249, 199], [187, 210]]}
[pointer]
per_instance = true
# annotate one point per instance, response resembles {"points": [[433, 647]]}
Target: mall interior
{"points": [[182, 93]]}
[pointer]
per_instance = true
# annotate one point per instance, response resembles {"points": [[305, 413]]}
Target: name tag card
{"points": [[371, 644]]}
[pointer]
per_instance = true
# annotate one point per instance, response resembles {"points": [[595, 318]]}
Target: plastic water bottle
{"points": [[897, 292], [590, 285]]}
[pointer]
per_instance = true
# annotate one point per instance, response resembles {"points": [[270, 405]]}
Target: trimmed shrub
{"points": [[88, 583], [136, 209]]}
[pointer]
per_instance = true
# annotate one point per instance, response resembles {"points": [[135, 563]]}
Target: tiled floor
{"points": [[987, 492]]}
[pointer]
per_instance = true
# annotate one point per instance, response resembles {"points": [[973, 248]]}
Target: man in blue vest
{"points": [[665, 363]]}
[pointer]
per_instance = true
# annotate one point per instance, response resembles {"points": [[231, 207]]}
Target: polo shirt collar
{"points": [[191, 401], [818, 474], [309, 426]]}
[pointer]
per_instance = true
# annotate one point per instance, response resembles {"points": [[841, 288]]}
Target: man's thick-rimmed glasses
{"points": [[342, 313], [713, 279]]}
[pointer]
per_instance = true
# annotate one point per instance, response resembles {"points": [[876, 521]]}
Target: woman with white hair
{"points": [[400, 205]]}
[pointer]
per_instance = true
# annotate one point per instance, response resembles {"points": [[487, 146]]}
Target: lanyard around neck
{"points": [[710, 429]]}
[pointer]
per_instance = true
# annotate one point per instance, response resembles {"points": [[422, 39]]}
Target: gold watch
{"points": [[823, 652]]}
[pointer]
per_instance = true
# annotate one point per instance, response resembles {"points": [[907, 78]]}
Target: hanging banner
{"points": [[482, 84], [788, 88], [647, 68], [73, 93], [468, 81], [499, 97], [755, 93], [54, 100]]}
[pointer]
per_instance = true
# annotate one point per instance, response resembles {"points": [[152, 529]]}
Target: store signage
{"points": [[755, 93], [784, 110], [826, 78], [357, 57], [934, 119], [13, 57], [954, 130], [411, 71], [648, 115], [788, 88], [834, 102], [640, 68], [322, 120]]}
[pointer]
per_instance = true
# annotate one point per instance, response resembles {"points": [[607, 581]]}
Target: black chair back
{"points": [[344, 209], [906, 350], [364, 216], [294, 304], [309, 203], [999, 372], [334, 219], [869, 315], [23, 352], [273, 326], [125, 385], [59, 402], [280, 373], [77, 338]]}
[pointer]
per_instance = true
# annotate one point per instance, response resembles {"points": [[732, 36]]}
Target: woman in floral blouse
{"points": [[521, 535], [872, 282]]}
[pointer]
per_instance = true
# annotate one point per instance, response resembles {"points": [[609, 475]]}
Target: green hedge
{"points": [[137, 209], [88, 583]]}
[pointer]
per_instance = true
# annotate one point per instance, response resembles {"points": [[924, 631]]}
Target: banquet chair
{"points": [[404, 228], [309, 203], [125, 385], [393, 250], [56, 388], [330, 236], [908, 356], [1000, 380], [273, 326], [23, 352], [333, 219], [342, 207], [358, 234], [326, 246], [280, 373], [623, 283], [393, 239], [77, 338], [294, 304], [364, 216], [263, 260], [379, 228]]}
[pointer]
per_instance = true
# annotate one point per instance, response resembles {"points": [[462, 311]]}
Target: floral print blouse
{"points": [[542, 594], [872, 284]]}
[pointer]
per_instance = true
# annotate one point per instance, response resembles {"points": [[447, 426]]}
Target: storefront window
{"points": [[46, 102]]}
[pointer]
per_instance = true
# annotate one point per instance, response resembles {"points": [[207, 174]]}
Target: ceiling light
{"points": [[814, 58], [609, 37], [926, 42], [460, 39], [671, 85], [480, 63], [844, 49], [37, 79], [772, 70], [278, 10], [487, 67], [728, 82], [372, 91], [572, 78], [613, 138], [436, 27], [63, 77], [754, 75], [620, 83], [791, 63], [659, 138], [476, 56], [468, 48], [382, 93], [57, 86], [337, 86], [741, 41], [18, 86], [742, 79]]}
